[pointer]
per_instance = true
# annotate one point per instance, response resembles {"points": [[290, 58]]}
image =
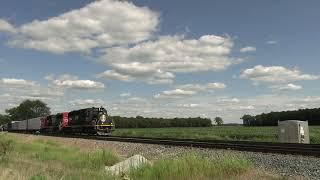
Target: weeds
{"points": [[193, 166], [41, 159], [6, 147]]}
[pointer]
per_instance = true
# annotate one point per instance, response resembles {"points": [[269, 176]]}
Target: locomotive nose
{"points": [[103, 118]]}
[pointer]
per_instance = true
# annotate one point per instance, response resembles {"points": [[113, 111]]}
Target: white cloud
{"points": [[14, 91], [103, 23], [6, 27], [275, 75], [188, 105], [112, 74], [185, 90], [136, 99], [135, 71], [228, 100], [176, 93], [125, 94], [156, 61], [287, 87], [202, 87], [17, 82], [248, 49], [87, 102], [246, 107], [69, 81], [272, 42]]}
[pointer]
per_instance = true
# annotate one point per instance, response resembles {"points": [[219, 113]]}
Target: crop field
{"points": [[267, 134], [40, 159]]}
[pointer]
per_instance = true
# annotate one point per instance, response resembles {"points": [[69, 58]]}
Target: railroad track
{"points": [[266, 147]]}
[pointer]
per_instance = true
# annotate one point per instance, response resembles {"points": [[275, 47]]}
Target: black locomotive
{"points": [[90, 121]]}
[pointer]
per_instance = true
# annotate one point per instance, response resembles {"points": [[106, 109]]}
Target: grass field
{"points": [[41, 159], [268, 134]]}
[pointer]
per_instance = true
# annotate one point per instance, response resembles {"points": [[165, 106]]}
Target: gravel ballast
{"points": [[300, 167]]}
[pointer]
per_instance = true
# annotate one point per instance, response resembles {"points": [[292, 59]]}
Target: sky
{"points": [[161, 58]]}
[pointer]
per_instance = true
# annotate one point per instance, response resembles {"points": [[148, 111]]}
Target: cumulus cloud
{"points": [[272, 42], [125, 94], [99, 24], [17, 82], [275, 75], [14, 91], [248, 49], [202, 87], [227, 100], [192, 105], [156, 61], [6, 27], [112, 74], [287, 87], [87, 102], [188, 90], [72, 82], [131, 72]]}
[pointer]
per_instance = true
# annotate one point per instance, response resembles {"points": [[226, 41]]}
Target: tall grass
{"points": [[193, 166], [46, 160], [41, 159], [6, 147]]}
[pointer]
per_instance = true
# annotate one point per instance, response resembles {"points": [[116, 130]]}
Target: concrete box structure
{"points": [[293, 131]]}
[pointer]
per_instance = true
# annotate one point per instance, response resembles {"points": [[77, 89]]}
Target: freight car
{"points": [[90, 121]]}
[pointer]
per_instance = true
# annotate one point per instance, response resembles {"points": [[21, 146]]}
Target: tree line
{"points": [[146, 122], [35, 108], [272, 118]]}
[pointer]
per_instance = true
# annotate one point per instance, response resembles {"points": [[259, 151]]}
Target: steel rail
{"points": [[266, 147]]}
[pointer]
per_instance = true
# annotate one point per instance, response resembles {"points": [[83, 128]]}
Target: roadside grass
{"points": [[262, 134], [41, 159], [192, 166]]}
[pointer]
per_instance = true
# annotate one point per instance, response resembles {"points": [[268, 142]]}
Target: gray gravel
{"points": [[287, 165], [300, 167]]}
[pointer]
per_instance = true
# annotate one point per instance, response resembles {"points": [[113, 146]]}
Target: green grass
{"points": [[268, 134], [41, 159], [193, 166], [38, 159]]}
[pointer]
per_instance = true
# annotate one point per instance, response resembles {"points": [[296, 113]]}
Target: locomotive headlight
{"points": [[103, 118]]}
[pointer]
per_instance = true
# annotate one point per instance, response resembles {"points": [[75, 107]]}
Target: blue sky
{"points": [[161, 58]]}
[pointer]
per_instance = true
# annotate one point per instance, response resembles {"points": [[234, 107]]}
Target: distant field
{"points": [[268, 134]]}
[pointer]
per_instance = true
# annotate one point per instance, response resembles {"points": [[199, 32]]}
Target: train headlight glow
{"points": [[103, 118]]}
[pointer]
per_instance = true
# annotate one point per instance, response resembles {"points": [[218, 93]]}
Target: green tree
{"points": [[218, 121], [28, 109], [4, 119], [248, 120]]}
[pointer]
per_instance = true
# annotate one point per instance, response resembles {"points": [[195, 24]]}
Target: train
{"points": [[93, 120]]}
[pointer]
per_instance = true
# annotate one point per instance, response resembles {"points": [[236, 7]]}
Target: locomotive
{"points": [[90, 121]]}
